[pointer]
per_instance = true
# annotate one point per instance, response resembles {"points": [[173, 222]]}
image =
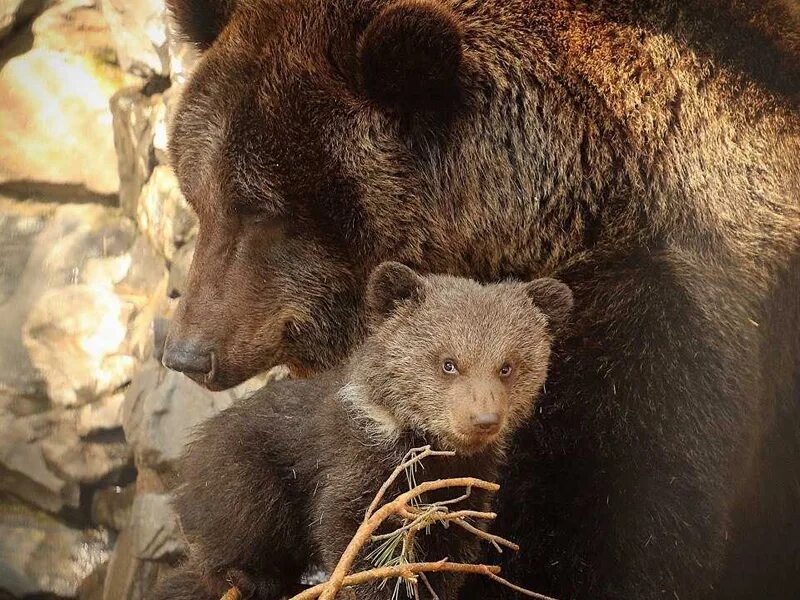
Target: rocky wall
{"points": [[95, 243]]}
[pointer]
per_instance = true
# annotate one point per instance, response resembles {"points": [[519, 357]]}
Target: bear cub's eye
{"points": [[449, 366], [505, 370]]}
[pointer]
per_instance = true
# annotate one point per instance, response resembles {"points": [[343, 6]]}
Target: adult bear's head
{"points": [[298, 142]]}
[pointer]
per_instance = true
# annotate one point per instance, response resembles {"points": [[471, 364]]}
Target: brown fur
{"points": [[282, 480], [647, 153]]}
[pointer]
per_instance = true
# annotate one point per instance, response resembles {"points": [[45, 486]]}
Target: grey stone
{"points": [[162, 407], [155, 529], [86, 462], [16, 11], [133, 138], [24, 470], [111, 506], [57, 248], [41, 555], [163, 213], [68, 53], [101, 415], [128, 578], [140, 35]]}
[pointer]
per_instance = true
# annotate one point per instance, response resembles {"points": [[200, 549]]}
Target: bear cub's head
{"points": [[459, 362]]}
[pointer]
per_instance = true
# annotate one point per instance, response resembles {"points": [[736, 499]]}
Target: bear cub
{"points": [[281, 480]]}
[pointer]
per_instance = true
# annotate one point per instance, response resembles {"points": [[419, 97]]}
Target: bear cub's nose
{"points": [[486, 422]]}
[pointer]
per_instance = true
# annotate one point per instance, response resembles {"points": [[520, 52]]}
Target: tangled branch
{"points": [[415, 517]]}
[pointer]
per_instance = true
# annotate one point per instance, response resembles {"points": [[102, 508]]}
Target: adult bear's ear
{"points": [[201, 21], [553, 298], [390, 285], [409, 57]]}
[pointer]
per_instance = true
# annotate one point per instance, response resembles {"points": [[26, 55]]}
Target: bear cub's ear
{"points": [[553, 298], [201, 21], [410, 56], [391, 284]]}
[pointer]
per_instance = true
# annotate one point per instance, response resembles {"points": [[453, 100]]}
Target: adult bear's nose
{"points": [[190, 356]]}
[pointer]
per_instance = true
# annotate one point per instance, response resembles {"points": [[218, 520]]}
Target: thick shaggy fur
{"points": [[646, 152], [281, 480]]}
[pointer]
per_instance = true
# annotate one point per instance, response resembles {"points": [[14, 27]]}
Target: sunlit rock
{"points": [[16, 11], [133, 114], [140, 35], [55, 125], [75, 337], [41, 555], [163, 213], [86, 462], [102, 415]]}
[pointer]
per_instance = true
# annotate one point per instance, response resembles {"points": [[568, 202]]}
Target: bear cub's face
{"points": [[453, 359]]}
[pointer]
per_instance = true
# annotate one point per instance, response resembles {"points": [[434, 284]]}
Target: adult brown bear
{"points": [[647, 153]]}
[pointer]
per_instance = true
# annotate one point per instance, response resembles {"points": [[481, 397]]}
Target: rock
{"points": [[111, 507], [56, 248], [55, 134], [155, 530], [163, 213], [75, 337], [133, 138], [91, 588], [86, 462], [128, 578], [13, 12], [183, 57], [41, 555], [179, 270], [161, 409], [24, 471], [140, 35], [20, 223], [102, 415]]}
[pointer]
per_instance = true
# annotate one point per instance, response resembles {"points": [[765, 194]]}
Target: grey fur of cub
{"points": [[281, 480]]}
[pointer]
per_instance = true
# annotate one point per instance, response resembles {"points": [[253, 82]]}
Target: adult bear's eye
{"points": [[449, 366], [505, 370]]}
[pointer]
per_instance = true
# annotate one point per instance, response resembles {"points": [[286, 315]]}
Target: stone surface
{"points": [[24, 470], [55, 134], [163, 213], [39, 554], [86, 462], [91, 588], [128, 578], [111, 507], [53, 248], [13, 12], [101, 415], [75, 337], [155, 529], [133, 138], [162, 407], [139, 31]]}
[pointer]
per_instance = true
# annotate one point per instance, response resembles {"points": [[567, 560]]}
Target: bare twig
{"points": [[417, 516], [405, 571], [232, 594]]}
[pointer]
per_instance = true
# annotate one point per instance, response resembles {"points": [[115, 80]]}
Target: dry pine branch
{"points": [[415, 518]]}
